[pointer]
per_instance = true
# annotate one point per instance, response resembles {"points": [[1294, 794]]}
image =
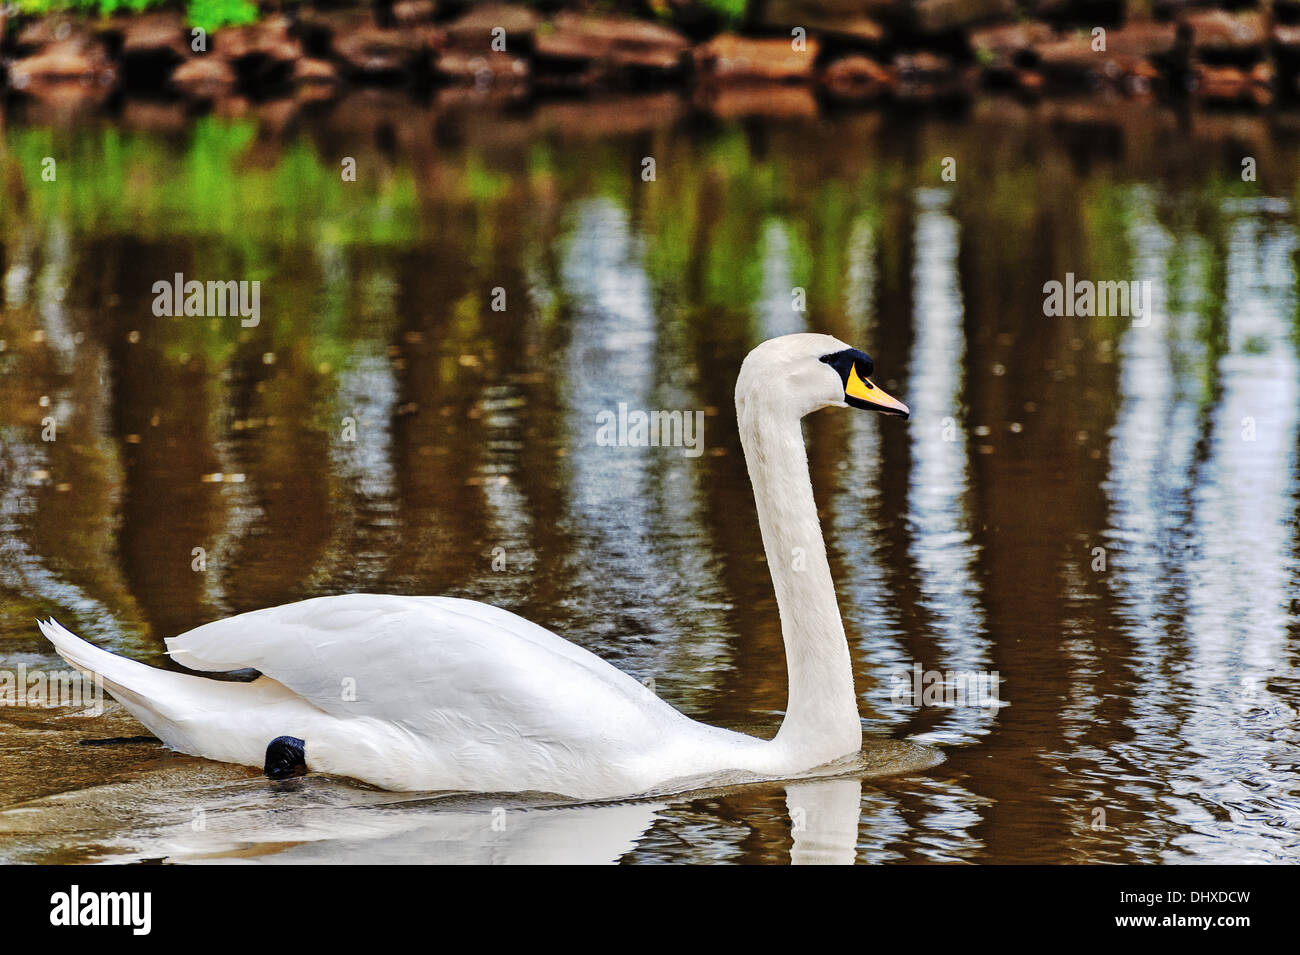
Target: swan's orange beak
{"points": [[861, 393]]}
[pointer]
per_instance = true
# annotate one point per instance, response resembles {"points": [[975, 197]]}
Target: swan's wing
{"points": [[420, 662]]}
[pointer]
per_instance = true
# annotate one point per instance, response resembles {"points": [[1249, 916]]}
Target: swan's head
{"points": [[807, 372]]}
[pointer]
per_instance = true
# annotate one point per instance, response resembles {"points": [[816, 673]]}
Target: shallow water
{"points": [[382, 428]]}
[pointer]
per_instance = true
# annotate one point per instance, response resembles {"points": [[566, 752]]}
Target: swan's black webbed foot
{"points": [[285, 756]]}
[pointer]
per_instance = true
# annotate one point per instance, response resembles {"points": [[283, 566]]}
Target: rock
{"points": [[856, 79], [728, 58], [825, 18], [1262, 84], [1003, 48], [1286, 37], [65, 62], [263, 54], [204, 78], [928, 76], [413, 13], [945, 16], [1069, 59], [270, 41], [313, 72], [372, 51], [1146, 39], [483, 71], [160, 35], [1220, 32], [1133, 59], [148, 46], [40, 33], [474, 29], [618, 42], [1072, 62], [316, 29], [1230, 85]]}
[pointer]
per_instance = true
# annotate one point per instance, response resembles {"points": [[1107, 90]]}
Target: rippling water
{"points": [[1100, 511]]}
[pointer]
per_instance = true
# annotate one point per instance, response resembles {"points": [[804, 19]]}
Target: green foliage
{"points": [[42, 7], [733, 11], [208, 14], [211, 14], [239, 216]]}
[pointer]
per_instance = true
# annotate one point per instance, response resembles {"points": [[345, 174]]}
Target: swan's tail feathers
{"points": [[154, 697], [86, 657]]}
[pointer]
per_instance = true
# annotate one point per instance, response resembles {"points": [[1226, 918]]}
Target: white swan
{"points": [[436, 693]]}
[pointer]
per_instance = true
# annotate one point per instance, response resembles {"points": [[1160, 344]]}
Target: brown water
{"points": [[1147, 691]]}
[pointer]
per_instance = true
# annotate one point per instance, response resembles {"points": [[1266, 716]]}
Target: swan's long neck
{"points": [[821, 720]]}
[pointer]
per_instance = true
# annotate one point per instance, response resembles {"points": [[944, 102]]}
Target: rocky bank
{"points": [[852, 52]]}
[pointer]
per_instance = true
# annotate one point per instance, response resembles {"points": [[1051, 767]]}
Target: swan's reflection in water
{"points": [[186, 810], [824, 815], [580, 835]]}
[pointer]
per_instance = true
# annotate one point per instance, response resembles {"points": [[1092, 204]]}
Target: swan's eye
{"points": [[846, 361], [860, 391]]}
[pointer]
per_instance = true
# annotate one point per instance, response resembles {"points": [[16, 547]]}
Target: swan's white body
{"points": [[414, 693], [437, 693]]}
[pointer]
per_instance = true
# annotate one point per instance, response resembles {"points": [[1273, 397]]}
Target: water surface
{"points": [[1102, 512]]}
